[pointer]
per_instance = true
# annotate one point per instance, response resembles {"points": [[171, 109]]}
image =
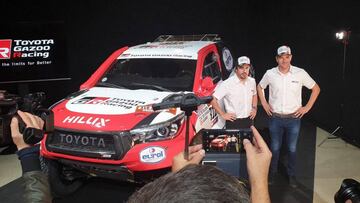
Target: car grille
{"points": [[89, 144]]}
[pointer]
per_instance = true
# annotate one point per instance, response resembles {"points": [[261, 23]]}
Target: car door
{"points": [[210, 77]]}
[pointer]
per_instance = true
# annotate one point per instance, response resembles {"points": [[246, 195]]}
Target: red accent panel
{"points": [[102, 69]]}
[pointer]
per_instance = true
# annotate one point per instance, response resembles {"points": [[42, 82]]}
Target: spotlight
{"points": [[343, 36], [340, 35]]}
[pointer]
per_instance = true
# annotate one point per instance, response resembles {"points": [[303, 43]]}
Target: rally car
{"points": [[109, 129], [220, 143]]}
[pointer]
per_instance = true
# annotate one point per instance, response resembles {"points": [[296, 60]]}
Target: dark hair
{"points": [[193, 183]]}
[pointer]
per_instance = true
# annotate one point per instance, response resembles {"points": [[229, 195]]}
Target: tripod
{"points": [[344, 37]]}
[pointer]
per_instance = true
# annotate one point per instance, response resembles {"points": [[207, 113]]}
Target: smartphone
{"points": [[222, 140]]}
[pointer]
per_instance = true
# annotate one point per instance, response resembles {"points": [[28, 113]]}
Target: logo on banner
{"points": [[19, 48], [5, 48], [152, 155]]}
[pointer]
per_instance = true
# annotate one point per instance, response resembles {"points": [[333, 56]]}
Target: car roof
{"points": [[167, 49]]}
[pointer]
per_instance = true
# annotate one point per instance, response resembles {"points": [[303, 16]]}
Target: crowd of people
{"points": [[191, 181]]}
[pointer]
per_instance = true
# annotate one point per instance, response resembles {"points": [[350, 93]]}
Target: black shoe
{"points": [[293, 182]]}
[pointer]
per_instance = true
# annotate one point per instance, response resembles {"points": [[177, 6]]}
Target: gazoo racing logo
{"points": [[39, 48], [5, 48], [152, 155], [93, 121]]}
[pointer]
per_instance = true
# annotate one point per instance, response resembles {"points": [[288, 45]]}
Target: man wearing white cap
{"points": [[239, 94], [285, 107]]}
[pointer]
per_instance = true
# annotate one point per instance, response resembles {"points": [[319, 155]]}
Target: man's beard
{"points": [[243, 76]]}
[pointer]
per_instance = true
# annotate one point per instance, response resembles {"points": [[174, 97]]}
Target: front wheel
{"points": [[63, 180]]}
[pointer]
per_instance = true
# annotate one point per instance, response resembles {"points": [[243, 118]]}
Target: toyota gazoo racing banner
{"points": [[32, 51]]}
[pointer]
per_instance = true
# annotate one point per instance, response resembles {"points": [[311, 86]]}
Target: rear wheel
{"points": [[64, 180]]}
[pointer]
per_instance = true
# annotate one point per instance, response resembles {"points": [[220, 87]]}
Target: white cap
{"points": [[243, 60], [283, 50]]}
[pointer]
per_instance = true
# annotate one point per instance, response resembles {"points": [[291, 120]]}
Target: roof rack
{"points": [[203, 37]]}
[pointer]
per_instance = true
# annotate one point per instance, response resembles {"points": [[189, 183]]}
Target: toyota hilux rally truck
{"points": [[109, 129]]}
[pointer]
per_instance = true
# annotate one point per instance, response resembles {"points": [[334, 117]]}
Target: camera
{"points": [[349, 190], [31, 103]]}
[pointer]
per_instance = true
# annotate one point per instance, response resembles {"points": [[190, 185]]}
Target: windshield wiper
{"points": [[105, 84], [157, 87]]}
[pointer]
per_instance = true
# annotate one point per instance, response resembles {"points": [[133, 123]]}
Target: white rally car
{"points": [[109, 128]]}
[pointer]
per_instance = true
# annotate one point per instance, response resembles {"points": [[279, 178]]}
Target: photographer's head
{"points": [[31, 121], [199, 183]]}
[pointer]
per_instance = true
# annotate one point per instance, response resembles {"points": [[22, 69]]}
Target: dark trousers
{"points": [[287, 128], [239, 123]]}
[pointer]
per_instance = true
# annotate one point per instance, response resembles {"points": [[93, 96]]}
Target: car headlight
{"points": [[159, 131]]}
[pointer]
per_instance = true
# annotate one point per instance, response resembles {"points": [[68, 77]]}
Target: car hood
{"points": [[111, 109]]}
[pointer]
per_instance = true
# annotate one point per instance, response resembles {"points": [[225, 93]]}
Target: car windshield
{"points": [[158, 74]]}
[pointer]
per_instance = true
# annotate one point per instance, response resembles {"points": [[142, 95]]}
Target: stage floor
{"points": [[320, 171]]}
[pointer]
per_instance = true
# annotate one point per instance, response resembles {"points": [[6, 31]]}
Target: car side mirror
{"points": [[207, 86]]}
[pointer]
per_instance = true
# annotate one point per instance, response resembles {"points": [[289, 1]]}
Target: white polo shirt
{"points": [[285, 89], [237, 96]]}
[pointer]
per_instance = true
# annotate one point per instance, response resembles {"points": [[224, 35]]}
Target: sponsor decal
{"points": [[93, 121], [148, 108], [207, 113], [125, 55], [108, 101], [152, 155], [227, 58], [213, 116], [158, 55], [203, 113], [148, 46], [144, 108], [82, 140]]}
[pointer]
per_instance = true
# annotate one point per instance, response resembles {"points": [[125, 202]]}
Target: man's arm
{"points": [[227, 116], [263, 101], [258, 158], [36, 184], [315, 91], [254, 106]]}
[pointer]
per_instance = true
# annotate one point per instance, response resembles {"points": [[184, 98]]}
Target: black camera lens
{"points": [[349, 190]]}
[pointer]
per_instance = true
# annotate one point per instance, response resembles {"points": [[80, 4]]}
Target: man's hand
{"points": [[31, 121], [196, 154], [258, 157], [229, 116], [301, 112], [267, 108], [253, 113]]}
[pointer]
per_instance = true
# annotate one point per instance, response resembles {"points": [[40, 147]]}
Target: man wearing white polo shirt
{"points": [[239, 94], [285, 107]]}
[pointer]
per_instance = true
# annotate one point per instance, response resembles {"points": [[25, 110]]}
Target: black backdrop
{"points": [[94, 29]]}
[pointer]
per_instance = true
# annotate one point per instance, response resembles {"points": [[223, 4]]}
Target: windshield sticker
{"points": [[107, 101]]}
